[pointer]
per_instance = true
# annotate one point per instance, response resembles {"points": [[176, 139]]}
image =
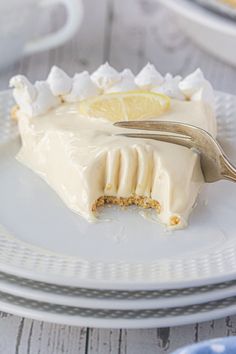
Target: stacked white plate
{"points": [[124, 271]]}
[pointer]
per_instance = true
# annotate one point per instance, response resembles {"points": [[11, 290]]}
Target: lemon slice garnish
{"points": [[132, 105]]}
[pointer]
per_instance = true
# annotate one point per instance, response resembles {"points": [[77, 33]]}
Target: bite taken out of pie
{"points": [[69, 138]]}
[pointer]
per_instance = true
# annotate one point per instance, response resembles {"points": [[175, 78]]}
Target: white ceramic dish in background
{"points": [[101, 318], [111, 299], [214, 33], [42, 239], [219, 6]]}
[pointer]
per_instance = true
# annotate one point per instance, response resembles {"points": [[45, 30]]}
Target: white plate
{"points": [[43, 240], [111, 299], [213, 32], [76, 316]]}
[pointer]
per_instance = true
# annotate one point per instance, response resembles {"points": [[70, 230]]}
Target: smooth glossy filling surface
{"points": [[88, 164]]}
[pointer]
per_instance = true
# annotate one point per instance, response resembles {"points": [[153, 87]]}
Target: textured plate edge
{"points": [[116, 323], [117, 304], [126, 286]]}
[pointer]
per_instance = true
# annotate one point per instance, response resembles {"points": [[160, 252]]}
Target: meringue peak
{"points": [[82, 87], [45, 99], [149, 77], [170, 87], [196, 88], [125, 84], [23, 89], [33, 100], [60, 83], [192, 83], [105, 76]]}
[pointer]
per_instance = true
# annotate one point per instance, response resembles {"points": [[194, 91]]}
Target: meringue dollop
{"points": [[170, 87], [60, 83], [126, 83], [105, 76], [195, 87], [148, 77], [33, 100], [82, 87]]}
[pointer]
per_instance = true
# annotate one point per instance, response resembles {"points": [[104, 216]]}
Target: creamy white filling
{"points": [[82, 159]]}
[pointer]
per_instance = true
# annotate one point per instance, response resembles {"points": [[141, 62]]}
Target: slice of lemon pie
{"points": [[68, 138]]}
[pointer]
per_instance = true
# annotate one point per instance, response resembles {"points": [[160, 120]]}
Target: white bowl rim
{"points": [[193, 11]]}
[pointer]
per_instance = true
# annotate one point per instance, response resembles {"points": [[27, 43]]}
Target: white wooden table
{"points": [[127, 34]]}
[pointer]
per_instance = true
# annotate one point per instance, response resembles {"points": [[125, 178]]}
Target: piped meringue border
{"points": [[36, 99]]}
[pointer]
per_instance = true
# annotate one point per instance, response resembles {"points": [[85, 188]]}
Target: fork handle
{"points": [[228, 170]]}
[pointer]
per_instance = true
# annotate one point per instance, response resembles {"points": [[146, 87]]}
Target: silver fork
{"points": [[214, 163]]}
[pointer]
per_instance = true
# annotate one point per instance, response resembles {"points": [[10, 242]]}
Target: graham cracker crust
{"points": [[174, 220], [144, 202]]}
